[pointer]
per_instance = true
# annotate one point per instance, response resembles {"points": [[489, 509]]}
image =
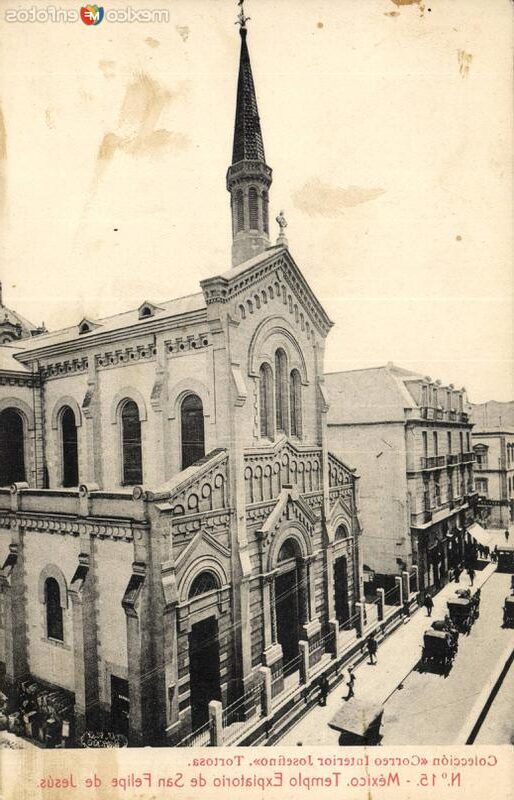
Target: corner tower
{"points": [[248, 177]]}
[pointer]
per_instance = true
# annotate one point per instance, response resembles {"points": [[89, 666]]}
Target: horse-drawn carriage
{"points": [[508, 611], [439, 648], [462, 610]]}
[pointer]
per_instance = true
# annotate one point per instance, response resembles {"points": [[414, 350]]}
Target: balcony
{"points": [[433, 462], [467, 458], [452, 459], [422, 518]]}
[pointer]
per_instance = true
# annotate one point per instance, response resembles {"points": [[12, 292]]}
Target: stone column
{"points": [[216, 723], [416, 578], [333, 625], [399, 586], [380, 604], [85, 644], [15, 627], [304, 661], [359, 609], [405, 585], [266, 703]]}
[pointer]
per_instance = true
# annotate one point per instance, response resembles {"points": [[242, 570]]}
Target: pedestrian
{"points": [[372, 649], [350, 682], [323, 690], [429, 604], [471, 573], [506, 534], [487, 551], [457, 572]]}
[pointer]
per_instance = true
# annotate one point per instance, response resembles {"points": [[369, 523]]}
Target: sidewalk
{"points": [[397, 655]]}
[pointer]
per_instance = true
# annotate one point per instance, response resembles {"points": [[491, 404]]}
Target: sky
{"points": [[388, 125]]}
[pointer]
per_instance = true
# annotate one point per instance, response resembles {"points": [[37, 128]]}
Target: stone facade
{"points": [[410, 439], [493, 445], [171, 519]]}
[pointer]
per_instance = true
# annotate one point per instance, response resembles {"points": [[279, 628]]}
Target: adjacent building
{"points": [[493, 445], [171, 518], [410, 439]]}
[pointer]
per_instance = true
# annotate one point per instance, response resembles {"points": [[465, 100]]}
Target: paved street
{"points": [[498, 727], [397, 657], [431, 708]]}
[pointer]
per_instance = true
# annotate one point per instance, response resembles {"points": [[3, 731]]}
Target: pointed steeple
{"points": [[248, 144], [248, 177]]}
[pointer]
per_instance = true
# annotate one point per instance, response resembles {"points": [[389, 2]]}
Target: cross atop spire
{"points": [[248, 142], [242, 19]]}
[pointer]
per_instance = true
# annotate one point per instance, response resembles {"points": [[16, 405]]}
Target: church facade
{"points": [[171, 520]]}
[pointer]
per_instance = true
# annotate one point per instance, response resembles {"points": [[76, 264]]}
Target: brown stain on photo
{"points": [[107, 68], [183, 31], [144, 102], [464, 60], [151, 42], [318, 198], [391, 14]]}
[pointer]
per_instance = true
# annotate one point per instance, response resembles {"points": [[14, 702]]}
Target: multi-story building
{"points": [[410, 440], [493, 445], [172, 524]]}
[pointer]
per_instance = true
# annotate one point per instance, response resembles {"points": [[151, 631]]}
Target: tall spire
{"points": [[248, 177]]}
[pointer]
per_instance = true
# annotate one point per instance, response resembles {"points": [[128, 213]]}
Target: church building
{"points": [[171, 520]]}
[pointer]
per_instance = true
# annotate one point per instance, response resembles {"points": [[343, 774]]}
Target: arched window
{"points": [[295, 402], [70, 459], [240, 211], [12, 448], [54, 621], [281, 398], [266, 400], [265, 205], [203, 583], [131, 444], [253, 208], [192, 427], [288, 551]]}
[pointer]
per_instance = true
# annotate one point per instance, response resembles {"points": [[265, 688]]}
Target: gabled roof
{"points": [[226, 285], [493, 416], [375, 394], [118, 322], [8, 361]]}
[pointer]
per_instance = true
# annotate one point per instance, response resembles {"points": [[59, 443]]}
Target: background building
{"points": [[171, 520], [410, 439], [493, 445]]}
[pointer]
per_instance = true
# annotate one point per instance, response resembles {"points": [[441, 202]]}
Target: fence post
{"points": [[398, 582], [304, 661], [415, 570], [359, 608], [266, 693], [380, 604], [405, 585], [333, 625], [216, 723]]}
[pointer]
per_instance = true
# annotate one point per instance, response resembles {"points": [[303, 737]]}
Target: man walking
{"points": [[471, 573], [372, 649], [323, 690], [349, 683], [506, 534], [429, 604]]}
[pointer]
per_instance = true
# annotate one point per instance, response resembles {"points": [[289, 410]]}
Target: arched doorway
{"points": [[287, 603], [342, 606], [192, 430], [204, 655], [70, 453], [12, 447]]}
